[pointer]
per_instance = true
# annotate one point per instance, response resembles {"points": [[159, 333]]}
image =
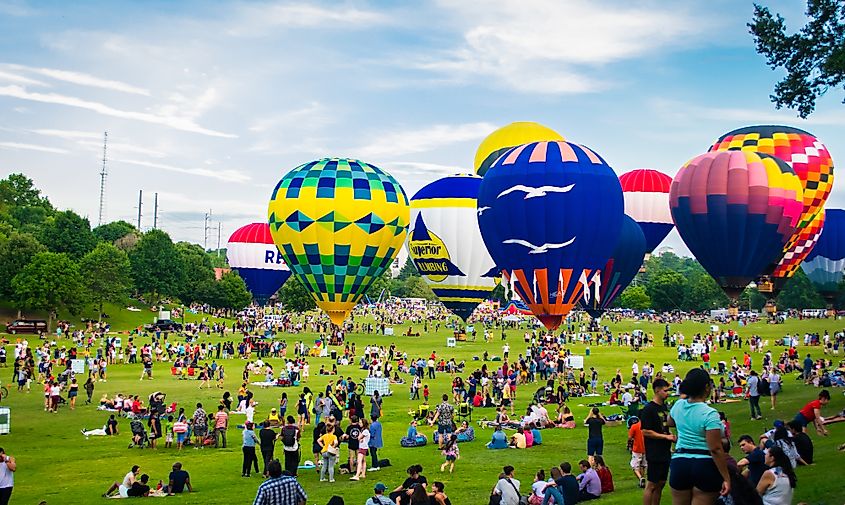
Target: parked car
{"points": [[26, 326], [164, 325]]}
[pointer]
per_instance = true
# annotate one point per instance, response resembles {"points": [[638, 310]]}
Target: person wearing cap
{"points": [[378, 498]]}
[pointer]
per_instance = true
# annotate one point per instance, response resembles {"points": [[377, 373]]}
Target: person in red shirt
{"points": [[604, 474], [811, 413], [637, 445]]}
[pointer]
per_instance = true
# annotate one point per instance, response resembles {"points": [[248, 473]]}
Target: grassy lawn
{"points": [[57, 464]]}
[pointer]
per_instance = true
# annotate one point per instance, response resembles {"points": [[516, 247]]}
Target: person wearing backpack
{"points": [[378, 498], [290, 436]]}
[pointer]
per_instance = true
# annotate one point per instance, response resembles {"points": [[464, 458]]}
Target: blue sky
{"points": [[210, 103]]}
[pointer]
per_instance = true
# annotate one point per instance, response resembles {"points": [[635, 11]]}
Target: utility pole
{"points": [[140, 204], [205, 228], [155, 212], [103, 174], [219, 226]]}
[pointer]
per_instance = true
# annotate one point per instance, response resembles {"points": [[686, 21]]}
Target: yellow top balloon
{"points": [[514, 134], [339, 224]]}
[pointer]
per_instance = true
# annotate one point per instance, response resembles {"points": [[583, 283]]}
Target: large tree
{"points": [[22, 205], [799, 293], [156, 266], [111, 232], [70, 233], [235, 294], [294, 296], [197, 272], [634, 297], [16, 252], [51, 281], [107, 275], [666, 290], [813, 57]]}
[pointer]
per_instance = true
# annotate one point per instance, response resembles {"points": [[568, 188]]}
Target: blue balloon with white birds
{"points": [[550, 214]]}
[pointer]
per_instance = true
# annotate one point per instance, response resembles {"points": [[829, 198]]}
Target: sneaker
{"points": [[331, 480], [322, 479]]}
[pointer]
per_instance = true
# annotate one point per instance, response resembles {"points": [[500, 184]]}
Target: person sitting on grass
{"points": [[178, 481], [499, 440], [123, 487], [139, 488]]}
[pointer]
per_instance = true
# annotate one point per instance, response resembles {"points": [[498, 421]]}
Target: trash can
{"points": [[334, 353], [587, 352]]}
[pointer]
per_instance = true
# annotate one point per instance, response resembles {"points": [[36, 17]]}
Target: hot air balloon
{"points": [[646, 194], [735, 210], [797, 250], [824, 266], [446, 246], [621, 268], [550, 214], [339, 224], [807, 156], [514, 134], [253, 255]]}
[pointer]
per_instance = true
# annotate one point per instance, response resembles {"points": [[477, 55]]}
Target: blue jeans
{"points": [[552, 495]]}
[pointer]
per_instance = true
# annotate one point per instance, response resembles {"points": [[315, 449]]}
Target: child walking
{"points": [[451, 451]]}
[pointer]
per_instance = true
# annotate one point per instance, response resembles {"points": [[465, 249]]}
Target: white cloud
{"points": [[177, 123], [256, 20], [67, 134], [32, 147], [550, 47], [19, 79], [81, 79], [228, 175], [421, 140]]}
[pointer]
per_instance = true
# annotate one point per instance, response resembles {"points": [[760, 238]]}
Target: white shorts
{"points": [[638, 460], [122, 491]]}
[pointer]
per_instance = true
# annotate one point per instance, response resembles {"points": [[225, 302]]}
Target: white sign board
{"points": [[575, 362], [450, 342], [78, 366], [163, 314], [388, 331]]}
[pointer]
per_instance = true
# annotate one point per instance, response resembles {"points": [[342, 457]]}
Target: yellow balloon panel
{"points": [[514, 134]]}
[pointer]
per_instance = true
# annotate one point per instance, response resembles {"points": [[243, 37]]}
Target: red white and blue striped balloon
{"points": [[253, 255], [646, 194]]}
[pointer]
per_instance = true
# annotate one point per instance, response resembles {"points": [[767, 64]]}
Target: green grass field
{"points": [[57, 464]]}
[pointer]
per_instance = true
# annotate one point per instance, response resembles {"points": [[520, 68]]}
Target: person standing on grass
{"points": [[698, 472], [329, 449], [248, 447], [638, 460], [290, 436], [376, 441], [363, 444], [267, 438], [443, 417], [654, 422], [775, 384], [753, 391], [200, 426], [221, 425], [595, 441]]}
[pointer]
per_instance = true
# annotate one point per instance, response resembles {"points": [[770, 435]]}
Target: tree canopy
{"points": [[813, 57]]}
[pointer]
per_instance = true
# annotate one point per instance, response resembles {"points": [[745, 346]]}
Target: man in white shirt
{"points": [[635, 368], [508, 487], [627, 398]]}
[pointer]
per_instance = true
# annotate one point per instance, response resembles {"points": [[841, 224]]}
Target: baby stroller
{"points": [[140, 439]]}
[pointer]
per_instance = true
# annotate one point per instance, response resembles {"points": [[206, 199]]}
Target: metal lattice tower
{"points": [[103, 175]]}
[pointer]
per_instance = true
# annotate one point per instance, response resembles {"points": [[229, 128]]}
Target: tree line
{"points": [[53, 260]]}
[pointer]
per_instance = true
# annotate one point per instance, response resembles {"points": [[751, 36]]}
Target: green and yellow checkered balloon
{"points": [[339, 224]]}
